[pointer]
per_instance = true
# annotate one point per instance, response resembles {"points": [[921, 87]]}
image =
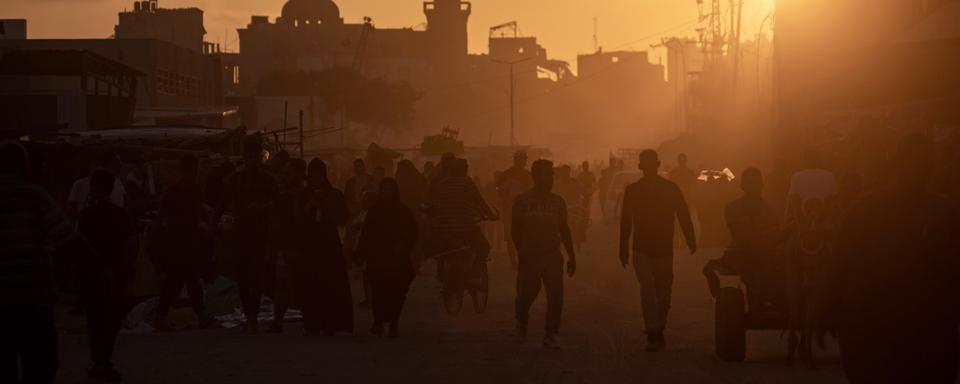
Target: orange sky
{"points": [[565, 27]]}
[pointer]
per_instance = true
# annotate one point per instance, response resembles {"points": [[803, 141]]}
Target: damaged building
{"points": [[311, 35]]}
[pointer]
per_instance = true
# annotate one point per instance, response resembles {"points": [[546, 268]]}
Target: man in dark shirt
{"points": [[251, 193], [755, 233], [359, 183], [539, 228], [683, 176], [106, 227], [512, 183], [33, 226], [589, 182], [649, 208], [455, 207], [181, 211]]}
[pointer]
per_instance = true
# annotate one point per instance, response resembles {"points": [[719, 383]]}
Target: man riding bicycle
{"points": [[455, 208]]}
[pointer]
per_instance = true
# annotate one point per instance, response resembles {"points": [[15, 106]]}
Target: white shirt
{"points": [[80, 193], [813, 184]]}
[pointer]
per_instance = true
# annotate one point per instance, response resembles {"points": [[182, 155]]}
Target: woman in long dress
{"points": [[388, 238], [323, 282]]}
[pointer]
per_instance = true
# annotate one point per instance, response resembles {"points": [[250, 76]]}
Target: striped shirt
{"points": [[31, 226], [457, 205]]}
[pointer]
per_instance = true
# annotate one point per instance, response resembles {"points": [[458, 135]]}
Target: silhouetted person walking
{"points": [[106, 227], [589, 183], [250, 195], [28, 289], [324, 287], [360, 182], [683, 176], [603, 185], [388, 238], [181, 212], [539, 229], [285, 239], [650, 207], [512, 183], [413, 191], [895, 282], [412, 184]]}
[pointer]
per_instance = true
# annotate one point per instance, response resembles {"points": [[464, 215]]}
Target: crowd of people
{"points": [[295, 236]]}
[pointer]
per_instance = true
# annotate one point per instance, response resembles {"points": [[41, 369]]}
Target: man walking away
{"points": [[539, 228], [359, 183], [683, 176], [181, 211], [28, 339], [388, 238], [106, 227], [251, 193], [512, 183], [649, 208], [284, 240], [589, 183]]}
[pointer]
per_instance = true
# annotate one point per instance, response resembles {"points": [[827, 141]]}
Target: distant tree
{"points": [[377, 103]]}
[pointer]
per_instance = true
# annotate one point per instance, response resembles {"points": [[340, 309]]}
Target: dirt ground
{"points": [[602, 341]]}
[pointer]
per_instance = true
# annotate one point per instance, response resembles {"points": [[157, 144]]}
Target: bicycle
{"points": [[462, 272]]}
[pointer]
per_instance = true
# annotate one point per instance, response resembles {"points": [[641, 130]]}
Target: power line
{"points": [[683, 27], [580, 79]]}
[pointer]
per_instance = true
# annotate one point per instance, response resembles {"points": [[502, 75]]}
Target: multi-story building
{"points": [[180, 26]]}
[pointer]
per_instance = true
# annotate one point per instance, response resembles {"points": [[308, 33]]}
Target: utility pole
{"points": [[286, 105], [735, 44], [596, 37], [301, 133], [513, 137]]}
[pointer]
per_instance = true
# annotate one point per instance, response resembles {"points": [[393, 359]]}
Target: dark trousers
{"points": [[105, 293], [655, 274], [535, 271], [173, 282], [104, 317], [900, 356], [27, 334], [251, 255], [389, 293]]}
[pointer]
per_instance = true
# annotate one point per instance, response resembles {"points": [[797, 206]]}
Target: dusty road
{"points": [[602, 338]]}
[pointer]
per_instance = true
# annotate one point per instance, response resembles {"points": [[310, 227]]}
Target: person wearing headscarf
{"points": [[413, 191], [513, 182], [323, 281], [106, 227], [284, 239], [390, 233], [412, 184], [250, 196]]}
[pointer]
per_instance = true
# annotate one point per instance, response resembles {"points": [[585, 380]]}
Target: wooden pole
{"points": [[301, 133], [285, 126]]}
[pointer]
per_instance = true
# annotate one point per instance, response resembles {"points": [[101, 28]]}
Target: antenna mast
{"points": [[596, 37]]}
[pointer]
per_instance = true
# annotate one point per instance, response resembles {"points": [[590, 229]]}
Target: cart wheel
{"points": [[481, 295], [453, 302], [731, 332]]}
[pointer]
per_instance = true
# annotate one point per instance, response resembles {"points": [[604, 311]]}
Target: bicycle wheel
{"points": [[452, 295], [453, 302], [481, 295]]}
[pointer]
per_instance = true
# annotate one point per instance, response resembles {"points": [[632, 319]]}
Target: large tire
{"points": [[731, 331]]}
